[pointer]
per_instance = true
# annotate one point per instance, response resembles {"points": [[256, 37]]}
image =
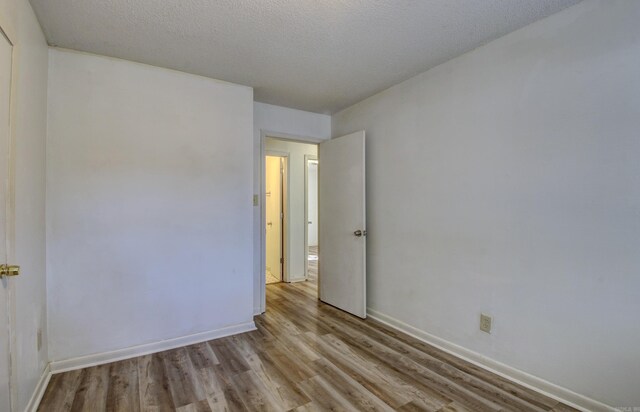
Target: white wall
{"points": [[507, 181], [149, 204], [29, 119], [295, 206], [281, 121]]}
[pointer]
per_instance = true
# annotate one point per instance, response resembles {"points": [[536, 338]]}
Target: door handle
{"points": [[269, 223], [360, 233], [9, 270]]}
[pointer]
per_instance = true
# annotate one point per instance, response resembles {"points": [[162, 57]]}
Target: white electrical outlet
{"points": [[485, 323]]}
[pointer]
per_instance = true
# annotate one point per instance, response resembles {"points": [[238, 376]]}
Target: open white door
{"points": [[342, 224]]}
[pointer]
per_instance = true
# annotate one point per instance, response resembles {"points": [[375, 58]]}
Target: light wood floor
{"points": [[312, 263], [305, 356]]}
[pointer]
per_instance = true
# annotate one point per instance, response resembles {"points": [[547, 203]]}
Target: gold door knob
{"points": [[9, 270], [359, 233]]}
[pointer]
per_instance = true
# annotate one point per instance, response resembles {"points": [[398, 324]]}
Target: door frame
{"points": [[284, 238], [307, 158], [264, 134], [10, 231]]}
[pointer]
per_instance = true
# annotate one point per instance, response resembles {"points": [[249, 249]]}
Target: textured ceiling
{"points": [[316, 55]]}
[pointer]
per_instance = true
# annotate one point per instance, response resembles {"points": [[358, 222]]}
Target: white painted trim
{"points": [[147, 348], [38, 392], [291, 137], [298, 279], [525, 379]]}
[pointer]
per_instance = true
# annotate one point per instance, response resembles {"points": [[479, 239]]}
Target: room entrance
{"points": [[313, 217], [275, 204], [290, 223]]}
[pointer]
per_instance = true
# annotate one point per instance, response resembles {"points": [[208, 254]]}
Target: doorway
{"points": [[285, 209], [275, 204], [311, 216], [341, 218]]}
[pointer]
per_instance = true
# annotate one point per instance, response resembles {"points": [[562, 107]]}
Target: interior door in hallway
{"points": [[342, 224], [5, 282], [274, 218]]}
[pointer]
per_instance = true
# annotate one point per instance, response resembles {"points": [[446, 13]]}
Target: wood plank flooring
{"points": [[305, 356]]}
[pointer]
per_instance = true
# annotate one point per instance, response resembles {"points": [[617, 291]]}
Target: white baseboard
{"points": [[295, 280], [38, 392], [549, 389], [148, 348]]}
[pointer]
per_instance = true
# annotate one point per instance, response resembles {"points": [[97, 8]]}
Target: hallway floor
{"points": [[271, 278], [305, 356]]}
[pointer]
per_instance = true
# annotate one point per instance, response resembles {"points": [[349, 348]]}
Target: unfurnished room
{"points": [[319, 205]]}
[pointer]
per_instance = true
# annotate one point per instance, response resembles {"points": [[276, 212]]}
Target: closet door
{"points": [[6, 303]]}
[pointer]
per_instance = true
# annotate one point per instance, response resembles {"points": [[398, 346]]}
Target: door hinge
{"points": [[281, 260]]}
